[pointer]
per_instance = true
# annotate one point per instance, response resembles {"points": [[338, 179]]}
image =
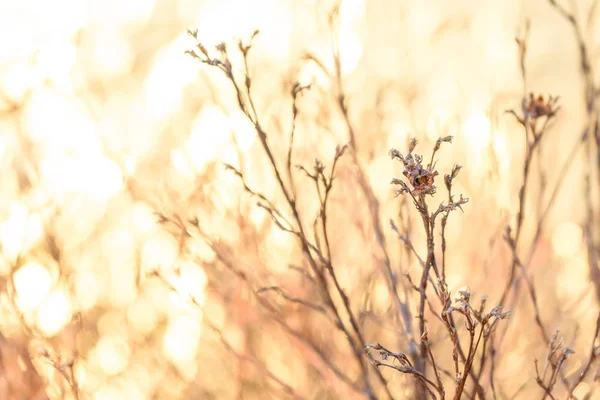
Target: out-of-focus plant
{"points": [[321, 271], [291, 286], [478, 322], [332, 300]]}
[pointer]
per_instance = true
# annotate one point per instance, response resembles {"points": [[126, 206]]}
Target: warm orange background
{"points": [[104, 121]]}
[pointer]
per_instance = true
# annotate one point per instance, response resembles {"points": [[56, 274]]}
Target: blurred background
{"points": [[105, 122]]}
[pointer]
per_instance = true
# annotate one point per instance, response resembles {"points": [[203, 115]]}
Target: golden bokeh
{"points": [[135, 265]]}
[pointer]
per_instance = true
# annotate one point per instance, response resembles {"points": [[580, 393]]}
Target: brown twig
{"points": [[592, 358], [322, 262]]}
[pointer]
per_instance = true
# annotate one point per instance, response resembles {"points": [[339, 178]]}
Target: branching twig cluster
{"points": [[478, 324], [555, 360], [590, 136], [316, 249], [64, 366], [476, 341]]}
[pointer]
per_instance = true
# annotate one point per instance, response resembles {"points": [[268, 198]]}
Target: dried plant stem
{"points": [[592, 135], [430, 263], [592, 358], [323, 282], [535, 241], [367, 191], [322, 263], [529, 152], [405, 366], [258, 364], [422, 181], [469, 363], [372, 200], [440, 384], [532, 111]]}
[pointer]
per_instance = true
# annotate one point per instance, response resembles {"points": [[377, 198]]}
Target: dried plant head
{"points": [[421, 178], [537, 106]]}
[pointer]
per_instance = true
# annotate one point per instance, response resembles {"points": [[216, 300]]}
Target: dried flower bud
{"points": [[412, 144], [193, 33], [202, 49], [422, 179], [448, 181], [43, 352], [396, 154], [455, 169], [319, 167], [339, 150], [402, 190], [497, 313], [465, 295], [568, 351], [482, 305], [536, 107], [221, 47], [441, 140]]}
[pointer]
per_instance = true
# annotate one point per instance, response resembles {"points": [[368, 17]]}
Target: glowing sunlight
{"points": [[299, 199]]}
